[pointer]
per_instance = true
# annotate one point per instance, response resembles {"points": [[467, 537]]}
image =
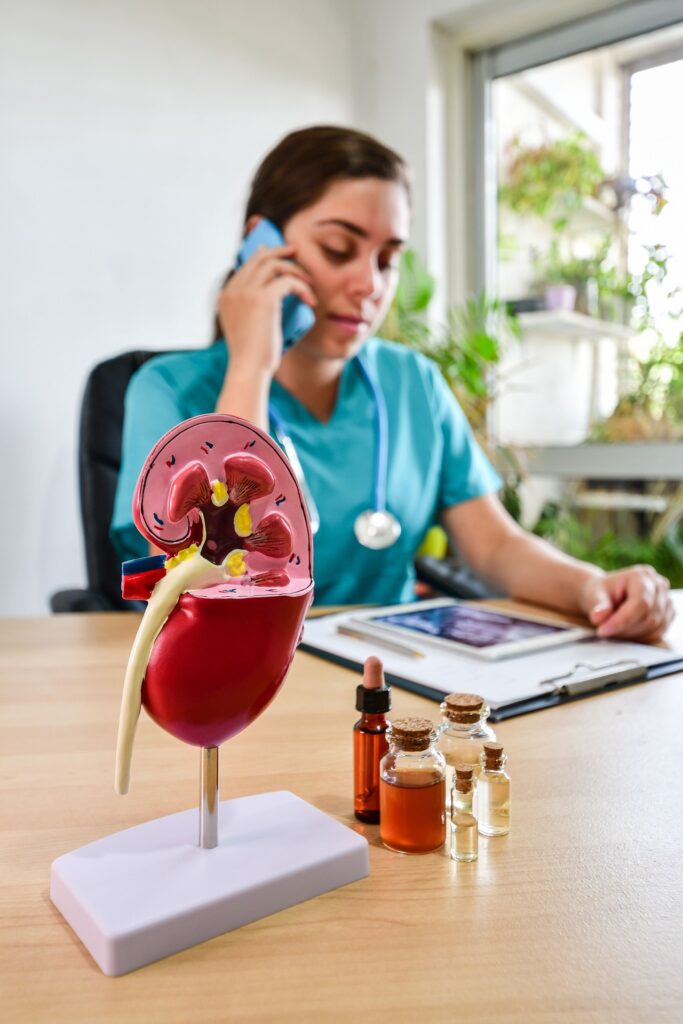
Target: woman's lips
{"points": [[349, 324]]}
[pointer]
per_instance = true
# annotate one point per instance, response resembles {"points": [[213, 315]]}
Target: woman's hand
{"points": [[249, 309], [632, 603]]}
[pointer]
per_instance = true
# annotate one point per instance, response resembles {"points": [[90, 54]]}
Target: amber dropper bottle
{"points": [[373, 700]]}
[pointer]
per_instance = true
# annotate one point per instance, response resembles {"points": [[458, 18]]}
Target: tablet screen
{"points": [[474, 627]]}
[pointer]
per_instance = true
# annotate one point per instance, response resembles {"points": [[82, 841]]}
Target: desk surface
{"points": [[575, 916]]}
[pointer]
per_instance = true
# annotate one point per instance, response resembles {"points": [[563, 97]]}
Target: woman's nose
{"points": [[367, 280]]}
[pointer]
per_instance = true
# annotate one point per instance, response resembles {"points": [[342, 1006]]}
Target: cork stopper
{"points": [[464, 775], [465, 708], [412, 733], [493, 756]]}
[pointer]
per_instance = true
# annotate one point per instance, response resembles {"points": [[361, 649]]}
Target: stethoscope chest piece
{"points": [[377, 529]]}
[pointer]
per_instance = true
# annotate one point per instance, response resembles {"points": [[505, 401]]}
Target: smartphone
{"points": [[297, 317]]}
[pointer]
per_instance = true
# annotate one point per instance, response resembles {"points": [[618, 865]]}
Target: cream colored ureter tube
{"points": [[194, 572]]}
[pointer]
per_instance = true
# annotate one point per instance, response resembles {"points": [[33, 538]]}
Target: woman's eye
{"points": [[388, 263], [338, 255]]}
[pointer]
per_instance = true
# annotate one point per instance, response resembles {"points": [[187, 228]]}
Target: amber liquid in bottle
{"points": [[369, 747], [413, 814]]}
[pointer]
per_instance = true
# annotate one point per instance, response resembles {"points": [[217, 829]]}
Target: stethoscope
{"points": [[375, 528]]}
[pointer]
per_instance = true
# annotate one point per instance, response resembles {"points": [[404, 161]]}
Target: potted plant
{"points": [[572, 283], [653, 411], [552, 179], [467, 350]]}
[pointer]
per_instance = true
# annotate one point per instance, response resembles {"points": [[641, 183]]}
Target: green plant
{"points": [[466, 348], [616, 294], [556, 269], [406, 320], [609, 551], [551, 179], [619, 295]]}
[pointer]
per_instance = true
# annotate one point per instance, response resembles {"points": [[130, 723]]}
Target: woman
{"points": [[342, 201]]}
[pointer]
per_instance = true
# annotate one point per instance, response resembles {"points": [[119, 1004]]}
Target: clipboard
{"points": [[560, 676]]}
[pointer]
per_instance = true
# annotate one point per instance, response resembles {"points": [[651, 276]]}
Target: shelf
{"points": [[642, 460], [620, 501], [566, 324]]}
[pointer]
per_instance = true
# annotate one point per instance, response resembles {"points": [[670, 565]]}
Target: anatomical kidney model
{"points": [[225, 611], [226, 603]]}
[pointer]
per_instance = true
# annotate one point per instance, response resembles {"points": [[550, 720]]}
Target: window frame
{"points": [[591, 32]]}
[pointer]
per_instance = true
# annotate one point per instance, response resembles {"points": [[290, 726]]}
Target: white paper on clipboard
{"points": [[501, 682]]}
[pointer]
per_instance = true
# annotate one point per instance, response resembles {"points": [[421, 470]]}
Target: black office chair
{"points": [[99, 462]]}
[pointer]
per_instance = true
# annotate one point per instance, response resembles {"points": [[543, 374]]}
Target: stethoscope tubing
{"points": [[381, 468]]}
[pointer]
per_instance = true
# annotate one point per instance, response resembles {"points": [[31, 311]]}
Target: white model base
{"points": [[150, 891]]}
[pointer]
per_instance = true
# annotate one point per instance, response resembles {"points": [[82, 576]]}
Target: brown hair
{"points": [[300, 168]]}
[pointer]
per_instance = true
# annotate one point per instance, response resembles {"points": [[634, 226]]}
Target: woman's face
{"points": [[349, 243]]}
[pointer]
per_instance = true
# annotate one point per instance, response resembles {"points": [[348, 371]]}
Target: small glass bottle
{"points": [[493, 792], [464, 836], [373, 700], [412, 789], [463, 733]]}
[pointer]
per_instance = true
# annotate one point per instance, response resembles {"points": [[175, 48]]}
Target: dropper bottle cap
{"points": [[373, 695]]}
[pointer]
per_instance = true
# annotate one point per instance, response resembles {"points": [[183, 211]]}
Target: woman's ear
{"points": [[255, 219]]}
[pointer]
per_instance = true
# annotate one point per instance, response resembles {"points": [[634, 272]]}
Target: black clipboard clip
{"points": [[628, 670]]}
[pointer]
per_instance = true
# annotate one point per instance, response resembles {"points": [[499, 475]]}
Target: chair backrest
{"points": [[99, 462]]}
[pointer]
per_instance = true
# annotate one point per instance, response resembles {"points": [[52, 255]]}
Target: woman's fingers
{"points": [[271, 269], [288, 284], [264, 253], [249, 306], [269, 265], [258, 266], [664, 610], [646, 609]]}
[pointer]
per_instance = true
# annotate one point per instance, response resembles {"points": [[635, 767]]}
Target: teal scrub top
{"points": [[434, 461]]}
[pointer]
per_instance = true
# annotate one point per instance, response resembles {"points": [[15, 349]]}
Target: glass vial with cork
{"points": [[373, 700], [493, 792], [412, 789], [462, 733], [464, 835]]}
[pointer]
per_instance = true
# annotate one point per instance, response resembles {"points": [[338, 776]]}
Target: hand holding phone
{"points": [[297, 317], [250, 317], [250, 307]]}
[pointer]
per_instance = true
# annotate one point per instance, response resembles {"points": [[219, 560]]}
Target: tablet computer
{"points": [[472, 627]]}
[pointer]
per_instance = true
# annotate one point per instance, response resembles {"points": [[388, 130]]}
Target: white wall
{"points": [[129, 130]]}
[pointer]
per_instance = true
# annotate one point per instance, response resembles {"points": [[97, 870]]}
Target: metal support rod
{"points": [[208, 798]]}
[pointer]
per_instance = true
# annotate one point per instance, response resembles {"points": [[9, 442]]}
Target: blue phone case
{"points": [[297, 317]]}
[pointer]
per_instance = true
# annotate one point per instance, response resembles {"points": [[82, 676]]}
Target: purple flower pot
{"points": [[560, 296]]}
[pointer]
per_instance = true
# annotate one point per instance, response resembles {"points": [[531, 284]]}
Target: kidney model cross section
{"points": [[227, 600]]}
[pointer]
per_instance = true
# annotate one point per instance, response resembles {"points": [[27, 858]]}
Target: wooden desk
{"points": [[576, 916]]}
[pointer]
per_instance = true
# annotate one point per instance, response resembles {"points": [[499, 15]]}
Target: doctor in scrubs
{"points": [[380, 445]]}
